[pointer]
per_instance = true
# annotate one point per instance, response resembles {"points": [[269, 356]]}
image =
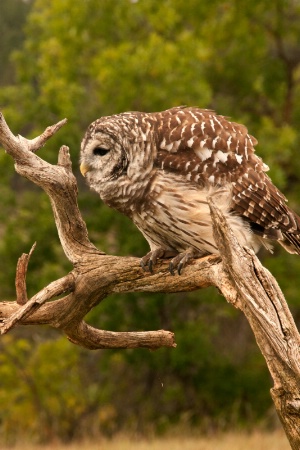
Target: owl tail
{"points": [[291, 242], [290, 235], [287, 234]]}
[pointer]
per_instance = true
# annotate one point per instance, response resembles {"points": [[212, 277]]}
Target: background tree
{"points": [[238, 58]]}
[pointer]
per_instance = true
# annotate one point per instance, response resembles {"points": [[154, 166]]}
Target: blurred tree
{"points": [[86, 59], [12, 18]]}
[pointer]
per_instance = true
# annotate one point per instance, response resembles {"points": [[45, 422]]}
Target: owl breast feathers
{"points": [[160, 168]]}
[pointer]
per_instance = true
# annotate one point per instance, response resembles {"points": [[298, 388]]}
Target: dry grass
{"points": [[228, 441]]}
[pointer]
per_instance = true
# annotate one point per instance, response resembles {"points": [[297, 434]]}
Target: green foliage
{"points": [[85, 59], [12, 18]]}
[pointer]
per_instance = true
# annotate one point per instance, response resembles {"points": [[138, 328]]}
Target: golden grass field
{"points": [[229, 441]]}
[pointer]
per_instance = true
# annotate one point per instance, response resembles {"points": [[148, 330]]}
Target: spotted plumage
{"points": [[160, 168]]}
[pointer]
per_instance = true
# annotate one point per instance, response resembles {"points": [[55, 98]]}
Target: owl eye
{"points": [[100, 151]]}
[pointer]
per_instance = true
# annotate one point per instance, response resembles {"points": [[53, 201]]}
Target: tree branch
{"points": [[21, 271], [262, 302], [58, 287]]}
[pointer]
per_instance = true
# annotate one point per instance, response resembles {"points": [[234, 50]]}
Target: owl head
{"points": [[117, 149], [104, 156]]}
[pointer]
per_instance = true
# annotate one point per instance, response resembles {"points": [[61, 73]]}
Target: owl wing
{"points": [[208, 149]]}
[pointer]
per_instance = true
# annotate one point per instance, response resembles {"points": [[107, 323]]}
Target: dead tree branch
{"points": [[237, 273], [21, 271]]}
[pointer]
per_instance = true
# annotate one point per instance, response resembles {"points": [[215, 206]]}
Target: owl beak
{"points": [[84, 169]]}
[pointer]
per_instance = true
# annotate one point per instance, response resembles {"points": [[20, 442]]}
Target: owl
{"points": [[160, 169]]}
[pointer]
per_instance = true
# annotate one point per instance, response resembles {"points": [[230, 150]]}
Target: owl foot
{"points": [[148, 261], [181, 260]]}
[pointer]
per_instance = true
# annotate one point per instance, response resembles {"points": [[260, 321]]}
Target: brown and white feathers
{"points": [[159, 169]]}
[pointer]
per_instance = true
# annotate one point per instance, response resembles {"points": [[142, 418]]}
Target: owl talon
{"points": [[180, 267], [142, 264], [180, 261], [149, 261], [171, 268], [176, 263]]}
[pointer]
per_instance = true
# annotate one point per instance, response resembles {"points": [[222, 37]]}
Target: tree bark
{"points": [[236, 272]]}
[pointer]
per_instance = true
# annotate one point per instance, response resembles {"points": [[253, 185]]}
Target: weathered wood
{"points": [[237, 273], [21, 271], [261, 300]]}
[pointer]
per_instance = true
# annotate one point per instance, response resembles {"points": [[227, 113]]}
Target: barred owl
{"points": [[160, 168]]}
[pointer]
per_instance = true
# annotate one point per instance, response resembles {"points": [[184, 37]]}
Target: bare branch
{"points": [[22, 265], [91, 338], [58, 287], [64, 158], [39, 142], [262, 302], [7, 138], [58, 182]]}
